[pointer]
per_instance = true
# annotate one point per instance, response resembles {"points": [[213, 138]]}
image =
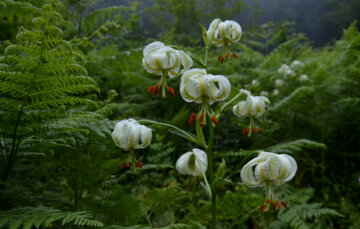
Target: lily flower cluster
{"points": [[198, 86], [270, 169], [224, 34], [254, 107]]}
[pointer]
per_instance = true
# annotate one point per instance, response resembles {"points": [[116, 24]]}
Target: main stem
{"points": [[209, 153], [211, 173]]}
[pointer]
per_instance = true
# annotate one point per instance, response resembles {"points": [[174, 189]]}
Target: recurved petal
{"points": [[272, 167], [152, 47], [247, 174], [249, 105], [212, 28], [158, 60], [145, 135], [186, 61], [133, 136], [264, 99], [233, 30], [182, 163], [149, 68], [239, 109], [293, 167], [190, 73], [201, 159], [258, 107], [243, 91], [189, 91], [222, 91]]}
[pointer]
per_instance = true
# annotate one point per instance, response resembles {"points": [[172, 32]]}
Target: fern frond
{"points": [[298, 216], [298, 93], [297, 146], [42, 216]]}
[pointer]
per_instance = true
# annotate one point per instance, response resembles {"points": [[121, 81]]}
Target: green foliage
{"points": [[44, 217], [63, 154], [42, 76]]}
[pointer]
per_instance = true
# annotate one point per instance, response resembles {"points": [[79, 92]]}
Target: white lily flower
{"points": [[199, 87], [130, 135], [269, 169], [224, 34], [279, 83], [165, 61], [304, 78], [286, 71], [254, 106], [296, 64], [276, 92], [192, 163]]}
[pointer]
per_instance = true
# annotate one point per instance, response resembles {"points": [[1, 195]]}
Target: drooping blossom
{"points": [[254, 107], [199, 87], [224, 34], [192, 163], [164, 61], [266, 170], [129, 135]]}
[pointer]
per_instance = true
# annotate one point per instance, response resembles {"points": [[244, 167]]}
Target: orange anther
{"points": [[261, 130], [192, 118], [219, 58], [172, 92], [268, 201], [150, 89], [139, 164], [201, 118], [123, 165], [277, 204], [214, 120], [244, 131], [222, 59], [261, 208], [255, 130], [284, 204], [155, 90], [234, 54], [274, 207], [227, 55]]}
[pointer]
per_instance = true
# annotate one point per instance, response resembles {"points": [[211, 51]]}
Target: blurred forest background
{"points": [[69, 70]]}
